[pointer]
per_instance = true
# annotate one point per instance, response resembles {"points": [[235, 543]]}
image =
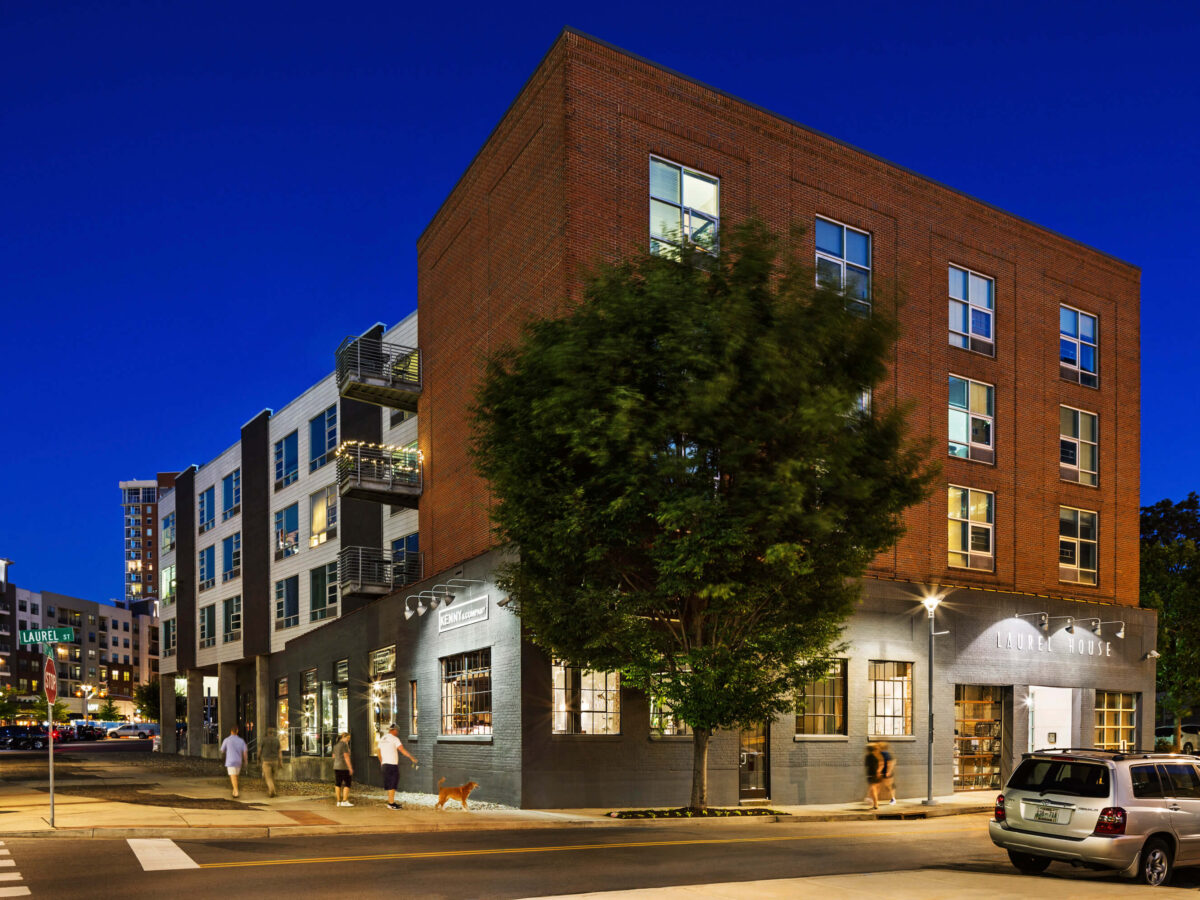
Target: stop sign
{"points": [[50, 679]]}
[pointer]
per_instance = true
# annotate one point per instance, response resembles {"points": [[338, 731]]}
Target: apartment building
{"points": [[20, 665], [1019, 357], [273, 538], [139, 511]]}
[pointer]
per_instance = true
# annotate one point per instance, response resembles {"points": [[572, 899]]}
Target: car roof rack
{"points": [[1114, 755]]}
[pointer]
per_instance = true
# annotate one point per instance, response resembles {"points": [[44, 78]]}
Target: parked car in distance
{"points": [[1189, 738], [23, 737], [129, 729], [1104, 809], [85, 732]]}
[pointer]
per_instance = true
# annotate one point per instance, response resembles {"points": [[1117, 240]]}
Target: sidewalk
{"points": [[162, 804]]}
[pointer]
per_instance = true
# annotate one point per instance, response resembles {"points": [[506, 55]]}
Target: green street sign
{"points": [[47, 636]]}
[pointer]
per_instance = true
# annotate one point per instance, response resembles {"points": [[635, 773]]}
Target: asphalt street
{"points": [[530, 863], [123, 745]]}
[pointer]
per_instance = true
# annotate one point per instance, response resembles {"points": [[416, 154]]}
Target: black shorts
{"points": [[391, 777], [341, 777]]}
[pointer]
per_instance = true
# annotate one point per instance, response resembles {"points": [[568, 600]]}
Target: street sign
{"points": [[47, 636], [50, 679]]}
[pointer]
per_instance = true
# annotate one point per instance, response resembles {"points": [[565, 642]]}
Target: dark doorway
{"points": [[754, 781]]}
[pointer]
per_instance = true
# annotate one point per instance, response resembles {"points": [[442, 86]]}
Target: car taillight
{"points": [[1111, 821], [1000, 808]]}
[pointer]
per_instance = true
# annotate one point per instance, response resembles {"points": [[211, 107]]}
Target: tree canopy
{"points": [[1170, 584], [689, 479]]}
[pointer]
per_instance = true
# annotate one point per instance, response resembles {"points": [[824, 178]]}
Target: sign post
{"points": [[50, 681], [48, 637]]}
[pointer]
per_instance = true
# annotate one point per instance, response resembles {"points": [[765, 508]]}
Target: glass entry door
{"points": [[754, 765], [978, 736]]}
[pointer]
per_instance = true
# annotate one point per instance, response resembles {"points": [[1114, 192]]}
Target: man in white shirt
{"points": [[390, 749]]}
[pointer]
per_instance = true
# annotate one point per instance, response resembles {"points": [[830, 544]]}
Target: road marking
{"points": [[5, 852], [438, 854], [157, 854], [7, 862], [10, 876], [14, 891]]}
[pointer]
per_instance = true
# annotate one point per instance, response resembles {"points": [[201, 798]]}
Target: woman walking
{"points": [[873, 763]]}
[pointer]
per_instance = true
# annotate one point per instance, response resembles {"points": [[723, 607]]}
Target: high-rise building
{"points": [[139, 511], [1019, 358]]}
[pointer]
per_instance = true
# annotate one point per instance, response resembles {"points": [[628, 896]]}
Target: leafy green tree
{"points": [[145, 697], [680, 467], [37, 709], [1170, 584], [8, 704], [108, 711]]}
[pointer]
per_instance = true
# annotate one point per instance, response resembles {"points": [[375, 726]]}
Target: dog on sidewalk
{"points": [[459, 793]]}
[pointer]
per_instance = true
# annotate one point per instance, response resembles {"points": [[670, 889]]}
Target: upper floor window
{"points": [[167, 585], [323, 518], [1077, 347], [844, 262], [208, 509], [322, 438], [168, 637], [971, 412], [323, 592], [972, 301], [970, 528], [287, 461], [287, 602], [287, 532], [208, 567], [1078, 443], [232, 619], [1077, 551], [208, 625], [685, 207], [231, 557], [231, 494], [168, 532]]}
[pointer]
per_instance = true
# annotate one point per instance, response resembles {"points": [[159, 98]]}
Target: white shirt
{"points": [[389, 750]]}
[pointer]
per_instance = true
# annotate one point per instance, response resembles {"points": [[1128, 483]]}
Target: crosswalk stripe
{"points": [[8, 862], [10, 876], [21, 891], [5, 852], [157, 854]]}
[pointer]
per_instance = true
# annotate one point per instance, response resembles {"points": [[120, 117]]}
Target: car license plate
{"points": [[1045, 814]]}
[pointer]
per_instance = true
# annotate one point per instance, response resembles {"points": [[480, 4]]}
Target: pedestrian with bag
{"points": [[873, 762], [887, 787]]}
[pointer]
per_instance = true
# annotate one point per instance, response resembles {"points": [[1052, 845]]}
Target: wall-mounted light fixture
{"points": [[1153, 654], [1120, 631], [1070, 626], [1040, 619]]}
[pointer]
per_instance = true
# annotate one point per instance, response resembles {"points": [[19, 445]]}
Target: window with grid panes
{"points": [[208, 567], [1077, 340], [208, 509], [664, 722], [231, 495], [467, 693], [287, 460], [168, 532], [323, 516], [891, 698], [822, 703], [323, 593], [322, 438], [844, 262], [1077, 548], [232, 619], [971, 420], [287, 532], [585, 701], [208, 625], [167, 585], [1078, 442], [969, 536], [685, 207], [972, 298], [231, 557], [287, 602], [1116, 720]]}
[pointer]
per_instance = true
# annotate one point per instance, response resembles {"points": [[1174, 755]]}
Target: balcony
{"points": [[384, 374], [372, 572], [380, 473]]}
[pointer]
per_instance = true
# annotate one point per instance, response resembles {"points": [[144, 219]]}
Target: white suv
{"points": [[144, 730], [1131, 811]]}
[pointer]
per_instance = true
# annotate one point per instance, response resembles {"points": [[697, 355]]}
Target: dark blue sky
{"points": [[174, 176]]}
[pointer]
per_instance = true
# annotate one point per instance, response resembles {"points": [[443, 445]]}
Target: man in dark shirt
{"points": [[271, 756]]}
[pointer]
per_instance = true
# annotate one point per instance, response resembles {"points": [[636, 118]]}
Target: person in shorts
{"points": [[233, 748], [343, 770], [270, 754], [390, 749]]}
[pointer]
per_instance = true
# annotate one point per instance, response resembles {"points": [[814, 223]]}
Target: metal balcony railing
{"points": [[371, 571], [378, 472], [383, 374]]}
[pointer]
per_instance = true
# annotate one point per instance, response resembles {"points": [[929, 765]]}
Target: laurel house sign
{"points": [[1065, 645]]}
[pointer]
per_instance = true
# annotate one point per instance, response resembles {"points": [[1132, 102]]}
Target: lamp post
{"points": [[931, 601], [86, 691]]}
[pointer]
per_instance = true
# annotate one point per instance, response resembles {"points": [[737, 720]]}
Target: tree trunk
{"points": [[700, 738]]}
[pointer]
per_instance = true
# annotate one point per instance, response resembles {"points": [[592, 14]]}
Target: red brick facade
{"points": [[563, 182]]}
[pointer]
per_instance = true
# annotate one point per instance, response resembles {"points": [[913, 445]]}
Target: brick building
{"points": [[1019, 354]]}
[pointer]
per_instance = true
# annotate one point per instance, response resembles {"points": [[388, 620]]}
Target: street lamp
{"points": [[86, 691], [931, 599]]}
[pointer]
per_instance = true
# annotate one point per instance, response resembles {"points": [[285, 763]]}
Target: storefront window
{"points": [[663, 720], [977, 737], [822, 707], [1116, 721], [281, 713], [412, 708], [467, 693], [383, 709], [328, 722], [891, 711], [585, 701], [310, 744]]}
